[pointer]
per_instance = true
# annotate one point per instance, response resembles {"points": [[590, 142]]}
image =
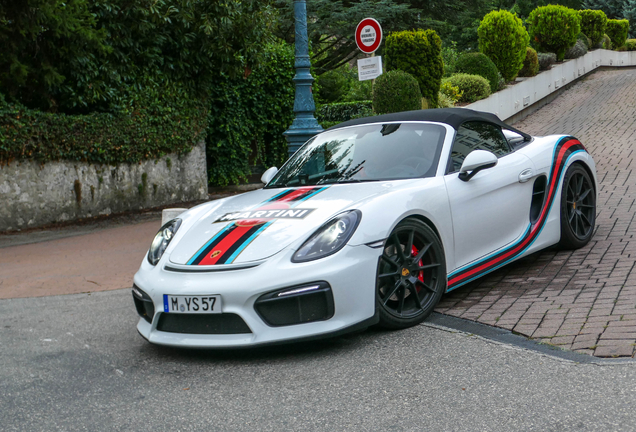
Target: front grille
{"points": [[144, 305], [225, 323], [296, 305]]}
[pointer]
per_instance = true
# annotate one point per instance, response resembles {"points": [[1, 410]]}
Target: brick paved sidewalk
{"points": [[582, 300]]}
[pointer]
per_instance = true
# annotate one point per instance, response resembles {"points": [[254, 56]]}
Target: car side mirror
{"points": [[476, 161], [269, 174]]}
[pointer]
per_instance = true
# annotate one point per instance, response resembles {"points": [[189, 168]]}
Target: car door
{"points": [[492, 209]]}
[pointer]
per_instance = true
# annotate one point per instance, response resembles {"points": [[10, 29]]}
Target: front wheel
{"points": [[578, 208], [411, 275]]}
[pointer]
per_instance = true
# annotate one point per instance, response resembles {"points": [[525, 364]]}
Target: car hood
{"points": [[258, 224]]}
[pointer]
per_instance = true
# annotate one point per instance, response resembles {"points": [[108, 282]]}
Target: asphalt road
{"points": [[76, 362]]}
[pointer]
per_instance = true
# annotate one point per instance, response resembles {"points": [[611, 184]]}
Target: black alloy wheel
{"points": [[411, 275], [578, 208]]}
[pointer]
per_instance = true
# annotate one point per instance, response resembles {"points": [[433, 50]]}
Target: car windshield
{"points": [[365, 153]]}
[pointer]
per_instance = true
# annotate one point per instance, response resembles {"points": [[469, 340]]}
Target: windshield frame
{"points": [[444, 149]]}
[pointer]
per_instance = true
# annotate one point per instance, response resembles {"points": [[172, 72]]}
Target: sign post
{"points": [[368, 39]]}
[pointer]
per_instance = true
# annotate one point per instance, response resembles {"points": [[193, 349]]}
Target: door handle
{"points": [[526, 175]]}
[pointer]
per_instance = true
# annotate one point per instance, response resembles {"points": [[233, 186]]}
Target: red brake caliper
{"points": [[420, 276]]}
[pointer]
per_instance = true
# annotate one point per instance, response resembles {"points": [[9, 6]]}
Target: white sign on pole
{"points": [[369, 68]]}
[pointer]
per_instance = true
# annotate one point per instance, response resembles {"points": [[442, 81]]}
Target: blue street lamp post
{"points": [[304, 125]]}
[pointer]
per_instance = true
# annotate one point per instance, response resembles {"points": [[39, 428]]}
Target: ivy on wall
{"points": [[158, 119]]}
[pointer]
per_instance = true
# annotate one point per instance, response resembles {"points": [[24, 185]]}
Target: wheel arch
{"points": [[428, 222], [589, 171]]}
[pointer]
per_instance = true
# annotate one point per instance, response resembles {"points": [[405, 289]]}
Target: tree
{"points": [[332, 24], [629, 13], [79, 55], [43, 43], [612, 8]]}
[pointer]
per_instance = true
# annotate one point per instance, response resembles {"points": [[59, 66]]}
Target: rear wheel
{"points": [[411, 275], [578, 208]]}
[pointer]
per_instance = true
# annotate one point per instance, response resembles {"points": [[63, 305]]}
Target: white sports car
{"points": [[370, 222]]}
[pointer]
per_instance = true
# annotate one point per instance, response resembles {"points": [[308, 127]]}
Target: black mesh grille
{"points": [[225, 323], [285, 307]]}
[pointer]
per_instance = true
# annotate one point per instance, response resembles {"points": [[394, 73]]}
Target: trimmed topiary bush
{"points": [[554, 28], [418, 53], [606, 43], [617, 32], [396, 91], [478, 64], [579, 49], [503, 39], [473, 87], [530, 64], [593, 23]]}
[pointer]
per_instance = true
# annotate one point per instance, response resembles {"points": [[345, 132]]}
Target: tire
{"points": [[578, 208], [409, 286]]}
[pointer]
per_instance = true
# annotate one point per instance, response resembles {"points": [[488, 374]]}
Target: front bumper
{"points": [[350, 274]]}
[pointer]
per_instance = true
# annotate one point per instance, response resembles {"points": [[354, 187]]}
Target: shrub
{"points": [[478, 64], [593, 23], [617, 32], [331, 114], [333, 85], [546, 60], [418, 53], [396, 91], [501, 83], [452, 93], [445, 101], [530, 64], [554, 28], [606, 42], [630, 45], [503, 39], [359, 90], [579, 49], [473, 87]]}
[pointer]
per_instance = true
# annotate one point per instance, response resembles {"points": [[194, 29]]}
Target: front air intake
{"points": [[143, 303], [296, 305]]}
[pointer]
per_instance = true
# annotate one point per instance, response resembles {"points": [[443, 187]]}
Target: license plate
{"points": [[192, 304]]}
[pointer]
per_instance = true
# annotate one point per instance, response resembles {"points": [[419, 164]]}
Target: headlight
{"points": [[329, 238], [162, 240]]}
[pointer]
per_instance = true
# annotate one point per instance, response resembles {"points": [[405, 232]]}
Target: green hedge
{"points": [[396, 91], [503, 39], [331, 114], [554, 28], [247, 118], [473, 87], [418, 53], [617, 31], [159, 119], [593, 23]]}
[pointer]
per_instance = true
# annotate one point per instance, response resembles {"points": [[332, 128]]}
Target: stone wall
{"points": [[33, 194]]}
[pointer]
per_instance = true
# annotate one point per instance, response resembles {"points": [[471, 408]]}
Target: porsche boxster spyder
{"points": [[369, 223]]}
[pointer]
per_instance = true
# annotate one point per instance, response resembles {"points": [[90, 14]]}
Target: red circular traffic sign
{"points": [[368, 35]]}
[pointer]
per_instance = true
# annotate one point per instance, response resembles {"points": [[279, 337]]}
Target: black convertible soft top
{"points": [[451, 116]]}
